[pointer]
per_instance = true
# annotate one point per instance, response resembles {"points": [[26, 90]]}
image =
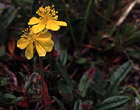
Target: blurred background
{"points": [[95, 63]]}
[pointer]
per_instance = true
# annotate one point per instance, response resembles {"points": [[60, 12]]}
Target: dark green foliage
{"points": [[93, 65]]}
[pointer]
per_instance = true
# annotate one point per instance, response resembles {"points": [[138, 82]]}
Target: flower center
{"points": [[47, 13]]}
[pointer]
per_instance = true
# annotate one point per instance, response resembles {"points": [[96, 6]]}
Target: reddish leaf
{"points": [[10, 108], [86, 107], [91, 72], [11, 45], [89, 46], [116, 59], [23, 103], [16, 57], [26, 68], [44, 94], [47, 68], [55, 53], [22, 59], [38, 77]]}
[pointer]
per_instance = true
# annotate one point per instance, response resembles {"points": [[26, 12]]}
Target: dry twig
{"points": [[125, 14]]}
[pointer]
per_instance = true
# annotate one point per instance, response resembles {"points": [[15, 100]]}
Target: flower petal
{"points": [[22, 43], [52, 25], [45, 41], [60, 23], [29, 51], [39, 27], [33, 21], [40, 50], [44, 35], [47, 44]]}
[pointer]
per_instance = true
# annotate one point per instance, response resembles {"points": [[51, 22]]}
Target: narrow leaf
{"points": [[59, 103], [63, 57], [77, 105], [45, 95], [86, 80], [89, 8], [112, 102], [9, 96], [118, 76], [2, 51]]}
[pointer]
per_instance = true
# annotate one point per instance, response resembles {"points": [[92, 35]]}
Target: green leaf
{"points": [[18, 99], [108, 13], [22, 75], [96, 89], [88, 10], [2, 51], [63, 87], [109, 46], [81, 60], [118, 76], [77, 105], [9, 96], [120, 73], [7, 19], [98, 79], [65, 90], [134, 38], [63, 57], [112, 102], [135, 91], [135, 53], [65, 74], [84, 84], [59, 103], [3, 81]]}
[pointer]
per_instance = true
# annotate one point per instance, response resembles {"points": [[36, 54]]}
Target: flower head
{"points": [[41, 41], [47, 20]]}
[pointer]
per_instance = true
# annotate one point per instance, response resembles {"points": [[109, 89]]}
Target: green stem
{"points": [[135, 90], [69, 23], [107, 15], [90, 4]]}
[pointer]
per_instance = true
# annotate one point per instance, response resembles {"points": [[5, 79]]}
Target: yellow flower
{"points": [[48, 19], [41, 41]]}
